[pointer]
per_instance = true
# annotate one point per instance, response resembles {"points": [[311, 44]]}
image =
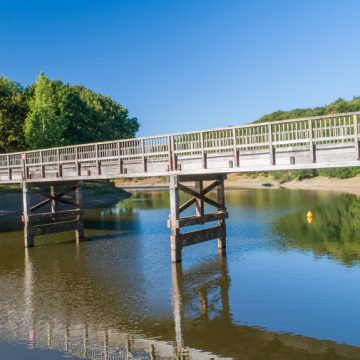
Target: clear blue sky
{"points": [[189, 64]]}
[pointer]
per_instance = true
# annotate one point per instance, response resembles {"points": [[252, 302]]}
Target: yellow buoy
{"points": [[309, 217]]}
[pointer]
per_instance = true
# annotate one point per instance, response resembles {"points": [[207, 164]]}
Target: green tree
{"points": [[13, 110], [44, 125], [63, 114]]}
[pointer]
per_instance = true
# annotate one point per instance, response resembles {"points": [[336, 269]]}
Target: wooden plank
{"points": [[58, 214], [199, 236], [198, 220], [54, 227], [201, 176]]}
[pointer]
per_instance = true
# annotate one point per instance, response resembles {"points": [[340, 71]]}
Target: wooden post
{"points": [[79, 203], [121, 162], [28, 235], [8, 167], [24, 167], [78, 164], [203, 152], [199, 203], [174, 217], [312, 147], [236, 151], [58, 163], [356, 137], [42, 165], [271, 147], [170, 149], [221, 242], [144, 162], [98, 162]]}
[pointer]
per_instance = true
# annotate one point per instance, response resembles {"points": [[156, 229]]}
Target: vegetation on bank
{"points": [[50, 113], [336, 107]]}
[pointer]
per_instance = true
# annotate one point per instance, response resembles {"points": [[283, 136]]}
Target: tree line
{"points": [[50, 113]]}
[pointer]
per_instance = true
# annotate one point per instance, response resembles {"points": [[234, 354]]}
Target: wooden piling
{"points": [[28, 234], [181, 239], [40, 223]]}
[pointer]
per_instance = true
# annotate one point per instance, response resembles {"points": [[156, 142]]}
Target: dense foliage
{"points": [[336, 107], [49, 113], [13, 110]]}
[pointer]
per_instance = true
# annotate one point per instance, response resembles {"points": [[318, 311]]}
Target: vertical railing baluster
{"points": [[271, 147], [236, 151], [312, 148]]}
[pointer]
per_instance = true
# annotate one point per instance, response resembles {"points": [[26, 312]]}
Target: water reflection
{"points": [[122, 298], [334, 230]]}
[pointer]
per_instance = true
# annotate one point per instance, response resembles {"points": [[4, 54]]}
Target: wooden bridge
{"points": [[195, 157]]}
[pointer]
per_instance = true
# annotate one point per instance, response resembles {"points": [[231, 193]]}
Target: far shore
{"points": [[10, 200], [349, 186]]}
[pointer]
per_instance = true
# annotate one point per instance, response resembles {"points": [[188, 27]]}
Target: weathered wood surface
{"points": [[47, 222], [176, 222], [317, 142]]}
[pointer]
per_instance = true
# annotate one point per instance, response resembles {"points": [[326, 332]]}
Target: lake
{"points": [[286, 289]]}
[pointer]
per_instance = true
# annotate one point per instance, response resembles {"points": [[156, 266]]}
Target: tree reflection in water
{"points": [[334, 230]]}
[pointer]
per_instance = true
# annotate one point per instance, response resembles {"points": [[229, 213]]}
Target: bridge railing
{"points": [[320, 130]]}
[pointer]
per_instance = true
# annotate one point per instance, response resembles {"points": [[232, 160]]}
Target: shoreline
{"points": [[10, 201], [319, 183]]}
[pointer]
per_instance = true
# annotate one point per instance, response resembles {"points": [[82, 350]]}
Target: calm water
{"points": [[286, 289]]}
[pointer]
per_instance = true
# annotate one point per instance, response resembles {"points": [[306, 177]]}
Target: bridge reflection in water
{"points": [[201, 326]]}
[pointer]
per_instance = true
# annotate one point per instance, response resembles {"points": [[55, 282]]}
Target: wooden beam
{"points": [[50, 198], [202, 235], [199, 196], [58, 214], [54, 227], [192, 201], [198, 220]]}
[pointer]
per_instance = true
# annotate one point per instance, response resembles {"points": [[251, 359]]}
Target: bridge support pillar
{"points": [[60, 210], [198, 187]]}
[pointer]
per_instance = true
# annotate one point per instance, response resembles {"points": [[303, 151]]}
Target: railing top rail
{"points": [[320, 117]]}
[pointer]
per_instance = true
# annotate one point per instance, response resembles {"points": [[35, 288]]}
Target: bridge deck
{"points": [[317, 142]]}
